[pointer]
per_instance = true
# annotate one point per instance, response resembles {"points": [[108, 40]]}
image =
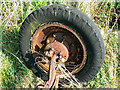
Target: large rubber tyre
{"points": [[71, 17]]}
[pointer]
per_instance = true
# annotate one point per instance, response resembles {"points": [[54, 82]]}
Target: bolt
{"points": [[60, 56], [52, 49], [63, 60], [51, 52], [48, 41]]}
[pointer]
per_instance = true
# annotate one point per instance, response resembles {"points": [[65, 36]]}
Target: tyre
{"points": [[70, 26]]}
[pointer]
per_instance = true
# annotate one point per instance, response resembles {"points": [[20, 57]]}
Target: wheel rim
{"points": [[58, 32]]}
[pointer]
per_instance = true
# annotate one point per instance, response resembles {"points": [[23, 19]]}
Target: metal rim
{"points": [[65, 35]]}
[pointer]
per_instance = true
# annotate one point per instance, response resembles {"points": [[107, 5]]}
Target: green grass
{"points": [[15, 75], [12, 70]]}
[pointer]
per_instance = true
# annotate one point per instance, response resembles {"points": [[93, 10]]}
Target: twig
{"points": [[115, 22], [15, 57]]}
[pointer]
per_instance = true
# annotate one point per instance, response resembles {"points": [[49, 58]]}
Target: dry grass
{"points": [[14, 74]]}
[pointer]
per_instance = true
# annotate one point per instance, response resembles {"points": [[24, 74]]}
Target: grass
{"points": [[15, 75]]}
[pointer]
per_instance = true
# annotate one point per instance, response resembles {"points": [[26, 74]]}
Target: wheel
{"points": [[69, 26]]}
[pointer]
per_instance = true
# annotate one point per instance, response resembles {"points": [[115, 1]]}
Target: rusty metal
{"points": [[56, 51], [52, 75], [59, 48], [48, 34]]}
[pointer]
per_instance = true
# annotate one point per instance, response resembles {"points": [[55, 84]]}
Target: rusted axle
{"points": [[52, 75], [60, 52]]}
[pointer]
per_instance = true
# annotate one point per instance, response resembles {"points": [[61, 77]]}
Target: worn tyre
{"points": [[73, 18]]}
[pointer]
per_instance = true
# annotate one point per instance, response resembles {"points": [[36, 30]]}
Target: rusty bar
{"points": [[52, 75]]}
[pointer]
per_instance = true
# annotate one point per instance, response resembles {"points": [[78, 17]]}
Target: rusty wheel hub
{"points": [[64, 41], [60, 49]]}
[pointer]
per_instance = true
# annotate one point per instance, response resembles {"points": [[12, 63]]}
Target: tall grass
{"points": [[14, 74]]}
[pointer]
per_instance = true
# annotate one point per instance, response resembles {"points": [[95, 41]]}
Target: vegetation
{"points": [[14, 74]]}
